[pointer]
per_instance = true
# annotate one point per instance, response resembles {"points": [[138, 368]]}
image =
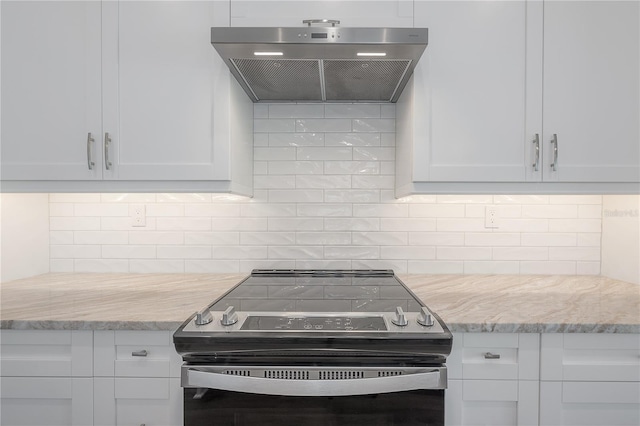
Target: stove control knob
{"points": [[425, 318], [229, 317], [204, 317], [400, 319]]}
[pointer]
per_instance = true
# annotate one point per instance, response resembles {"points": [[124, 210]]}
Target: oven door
{"points": [[247, 395]]}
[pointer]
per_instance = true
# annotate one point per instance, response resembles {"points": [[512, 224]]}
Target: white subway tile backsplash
{"points": [[261, 125], [322, 181], [548, 268], [362, 153], [212, 266], [211, 238], [296, 139], [324, 154], [325, 210], [374, 125], [60, 209], [351, 252], [521, 253], [100, 209], [381, 239], [296, 111], [352, 110], [294, 167], [103, 265], [76, 251], [463, 253], [352, 139], [352, 196], [323, 238], [491, 267], [323, 125], [171, 266], [156, 237], [128, 252], [101, 237], [324, 198], [352, 167], [184, 252], [61, 237], [275, 154], [74, 223]]}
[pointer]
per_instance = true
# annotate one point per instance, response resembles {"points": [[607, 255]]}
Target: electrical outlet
{"points": [[138, 215], [491, 217]]}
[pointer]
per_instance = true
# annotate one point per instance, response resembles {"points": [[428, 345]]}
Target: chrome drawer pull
{"points": [[489, 355], [536, 145], [140, 353]]}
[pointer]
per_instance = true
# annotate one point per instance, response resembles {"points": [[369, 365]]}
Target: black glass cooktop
{"points": [[339, 291]]}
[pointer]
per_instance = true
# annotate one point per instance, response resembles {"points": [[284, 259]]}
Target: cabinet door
{"points": [[270, 13], [592, 91], [589, 403], [162, 79], [51, 100], [138, 401], [468, 99], [46, 401], [491, 402]]}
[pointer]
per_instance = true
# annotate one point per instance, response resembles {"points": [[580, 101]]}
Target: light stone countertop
{"points": [[466, 303]]}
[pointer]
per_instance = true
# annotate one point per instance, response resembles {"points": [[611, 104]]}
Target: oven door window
{"points": [[226, 408]]}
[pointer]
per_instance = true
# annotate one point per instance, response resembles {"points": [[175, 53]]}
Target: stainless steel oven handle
{"points": [[345, 387]]}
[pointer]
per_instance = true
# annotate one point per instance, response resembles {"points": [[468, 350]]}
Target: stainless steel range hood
{"points": [[321, 64]]}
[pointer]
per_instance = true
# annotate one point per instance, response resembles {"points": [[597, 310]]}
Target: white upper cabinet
{"points": [[591, 91], [142, 78], [523, 96], [51, 100], [383, 13], [467, 99]]}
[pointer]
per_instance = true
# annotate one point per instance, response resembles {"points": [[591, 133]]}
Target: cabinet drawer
{"points": [[590, 357], [135, 354], [46, 353], [494, 356]]}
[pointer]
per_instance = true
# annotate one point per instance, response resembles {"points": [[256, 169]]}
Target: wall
{"points": [[324, 179], [621, 237], [24, 231]]}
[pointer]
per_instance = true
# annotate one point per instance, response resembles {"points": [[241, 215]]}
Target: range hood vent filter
{"points": [[282, 79], [369, 80]]}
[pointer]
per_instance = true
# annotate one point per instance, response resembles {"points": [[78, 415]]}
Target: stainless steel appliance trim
{"points": [[241, 380], [333, 22]]}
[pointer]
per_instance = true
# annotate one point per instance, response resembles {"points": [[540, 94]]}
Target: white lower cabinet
{"points": [[590, 379], [46, 378], [136, 379], [493, 379]]}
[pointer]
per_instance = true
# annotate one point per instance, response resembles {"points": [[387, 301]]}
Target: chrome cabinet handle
{"points": [[536, 146], [90, 141], [140, 353], [333, 22], [554, 142], [107, 148], [489, 355]]}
